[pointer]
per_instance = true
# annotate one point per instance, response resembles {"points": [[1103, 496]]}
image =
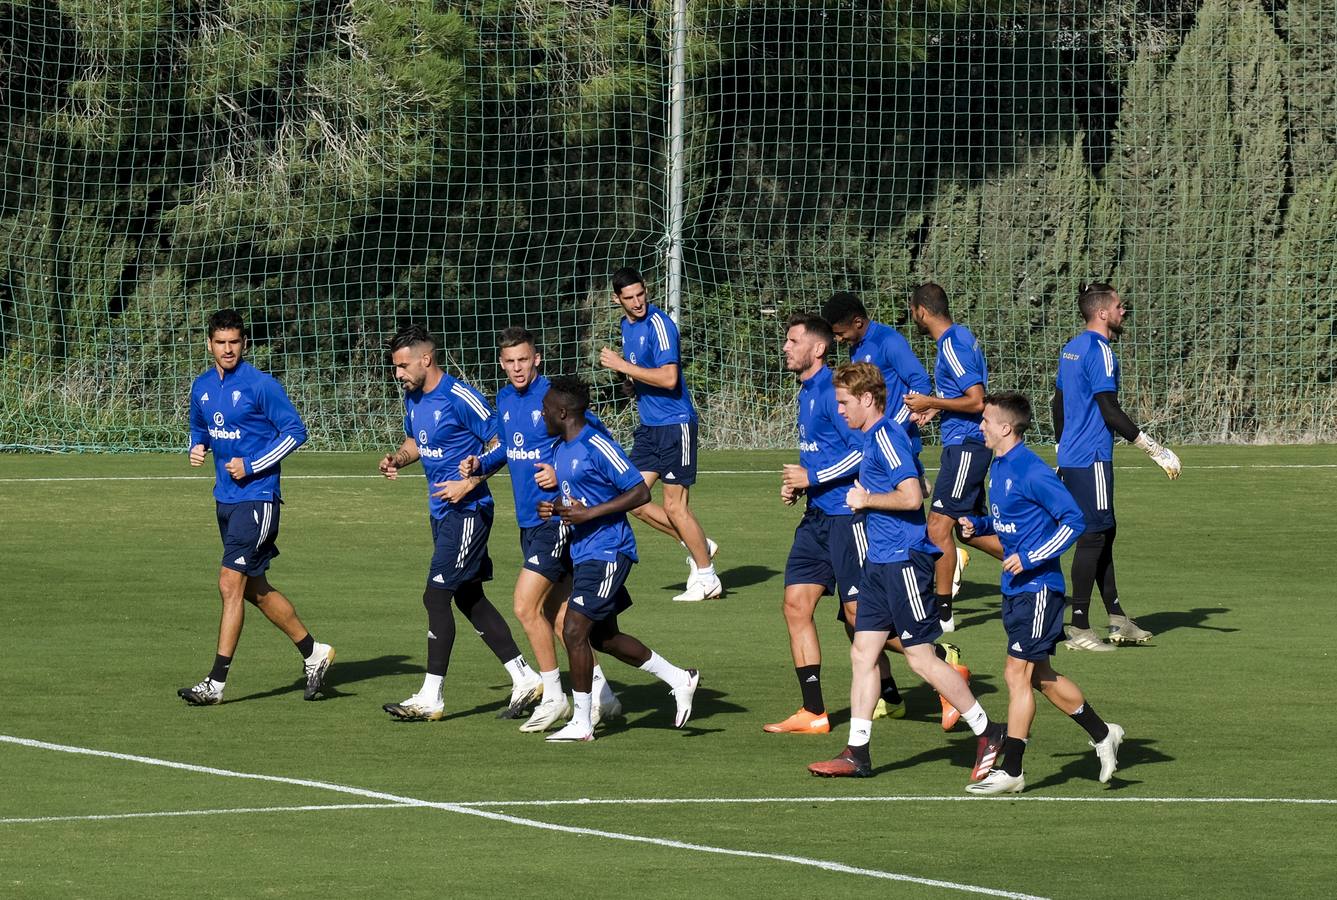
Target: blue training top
{"points": [[593, 469], [827, 447], [244, 413], [1086, 367], [887, 348], [650, 343], [959, 367], [449, 422], [887, 461]]}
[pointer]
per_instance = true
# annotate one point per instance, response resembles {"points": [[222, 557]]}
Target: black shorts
{"points": [[828, 550]]}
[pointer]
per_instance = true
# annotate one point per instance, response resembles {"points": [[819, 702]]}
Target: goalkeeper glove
{"points": [[1161, 456]]}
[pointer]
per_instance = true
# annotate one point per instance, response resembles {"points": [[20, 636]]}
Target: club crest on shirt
{"points": [[436, 415], [535, 415], [236, 395], [1007, 486]]}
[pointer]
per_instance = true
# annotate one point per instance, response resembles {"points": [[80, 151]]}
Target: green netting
{"points": [[335, 169]]}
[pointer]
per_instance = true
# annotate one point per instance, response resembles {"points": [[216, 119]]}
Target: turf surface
{"points": [[109, 606]]}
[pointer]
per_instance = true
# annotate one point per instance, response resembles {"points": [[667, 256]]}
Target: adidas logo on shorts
{"points": [[533, 560], [239, 561], [1016, 645]]}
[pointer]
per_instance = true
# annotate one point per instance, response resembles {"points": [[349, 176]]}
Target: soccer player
{"points": [[446, 420], [598, 487], [246, 419], [886, 348], [1086, 416], [544, 581], [894, 595], [960, 375], [665, 441], [1037, 519], [828, 550]]}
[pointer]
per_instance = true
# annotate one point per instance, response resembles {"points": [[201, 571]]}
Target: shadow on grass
{"points": [[736, 578], [1083, 765], [345, 673], [1160, 622]]}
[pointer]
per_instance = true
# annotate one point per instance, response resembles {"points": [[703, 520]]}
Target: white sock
{"points": [[707, 570], [552, 683], [976, 718], [431, 686], [861, 730], [519, 670], [665, 671], [216, 685], [581, 715], [602, 687]]}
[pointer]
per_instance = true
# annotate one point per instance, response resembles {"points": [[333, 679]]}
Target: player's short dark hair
{"points": [[1015, 406], [514, 336], [863, 378], [1093, 297], [411, 336], [814, 325], [843, 307], [625, 277], [226, 320], [570, 392], [932, 299]]}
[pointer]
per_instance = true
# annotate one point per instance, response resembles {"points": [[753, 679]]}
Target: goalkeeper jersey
{"points": [[1086, 367]]}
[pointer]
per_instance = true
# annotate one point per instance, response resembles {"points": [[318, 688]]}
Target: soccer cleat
{"points": [[417, 709], [523, 696], [962, 560], [683, 696], [1124, 630], [987, 750], [950, 714], [605, 709], [998, 782], [316, 668], [843, 766], [202, 694], [801, 722], [701, 587], [548, 713], [885, 710], [1085, 639], [1108, 752], [572, 733], [711, 549]]}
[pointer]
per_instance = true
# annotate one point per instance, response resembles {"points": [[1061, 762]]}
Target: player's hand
{"points": [[610, 359], [545, 476], [197, 455], [1161, 456], [789, 495], [388, 467], [236, 467], [546, 509], [1013, 564], [469, 465], [573, 512], [966, 526], [795, 476], [856, 498], [454, 491], [917, 403]]}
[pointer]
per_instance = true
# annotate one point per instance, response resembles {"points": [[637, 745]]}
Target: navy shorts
{"points": [[898, 598], [1093, 488], [249, 530], [460, 554], [546, 549], [828, 550], [667, 450], [1034, 623], [599, 588], [959, 488]]}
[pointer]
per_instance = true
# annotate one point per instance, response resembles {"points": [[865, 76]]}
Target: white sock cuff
{"points": [[976, 718], [861, 731]]}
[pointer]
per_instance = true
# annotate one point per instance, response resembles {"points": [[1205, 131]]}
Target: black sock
{"points": [[306, 646], [440, 630], [1081, 613], [1013, 748], [489, 624], [221, 665], [944, 607], [1113, 608], [810, 683], [1094, 725], [860, 754], [889, 691]]}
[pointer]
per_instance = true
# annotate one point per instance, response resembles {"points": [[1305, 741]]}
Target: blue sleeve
{"points": [[663, 343], [474, 412], [983, 524], [1100, 368], [972, 372], [899, 460], [596, 423], [911, 370], [614, 465], [1048, 492], [280, 411], [199, 428], [492, 460]]}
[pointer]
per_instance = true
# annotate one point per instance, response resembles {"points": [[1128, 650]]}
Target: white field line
{"points": [[201, 812], [825, 865], [907, 798], [768, 472]]}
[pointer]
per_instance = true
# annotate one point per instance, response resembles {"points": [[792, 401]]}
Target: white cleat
{"points": [[315, 668], [701, 587], [1124, 630], [683, 696], [523, 695], [207, 693], [962, 560], [417, 709], [998, 782], [573, 732], [605, 709], [548, 713], [1085, 639], [1108, 752]]}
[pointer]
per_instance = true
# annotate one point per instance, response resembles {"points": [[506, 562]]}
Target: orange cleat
{"points": [[843, 766], [950, 714], [801, 722]]}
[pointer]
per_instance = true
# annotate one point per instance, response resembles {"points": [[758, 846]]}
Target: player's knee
{"points": [[436, 599], [940, 529], [675, 502]]}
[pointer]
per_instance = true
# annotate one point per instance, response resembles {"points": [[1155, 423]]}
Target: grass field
{"points": [[108, 565]]}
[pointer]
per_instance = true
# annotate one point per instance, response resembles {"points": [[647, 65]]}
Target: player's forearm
{"points": [[1115, 417], [967, 404], [286, 445], [623, 502], [1054, 545], [665, 377], [406, 455], [492, 460], [846, 469], [907, 495], [1056, 411]]}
